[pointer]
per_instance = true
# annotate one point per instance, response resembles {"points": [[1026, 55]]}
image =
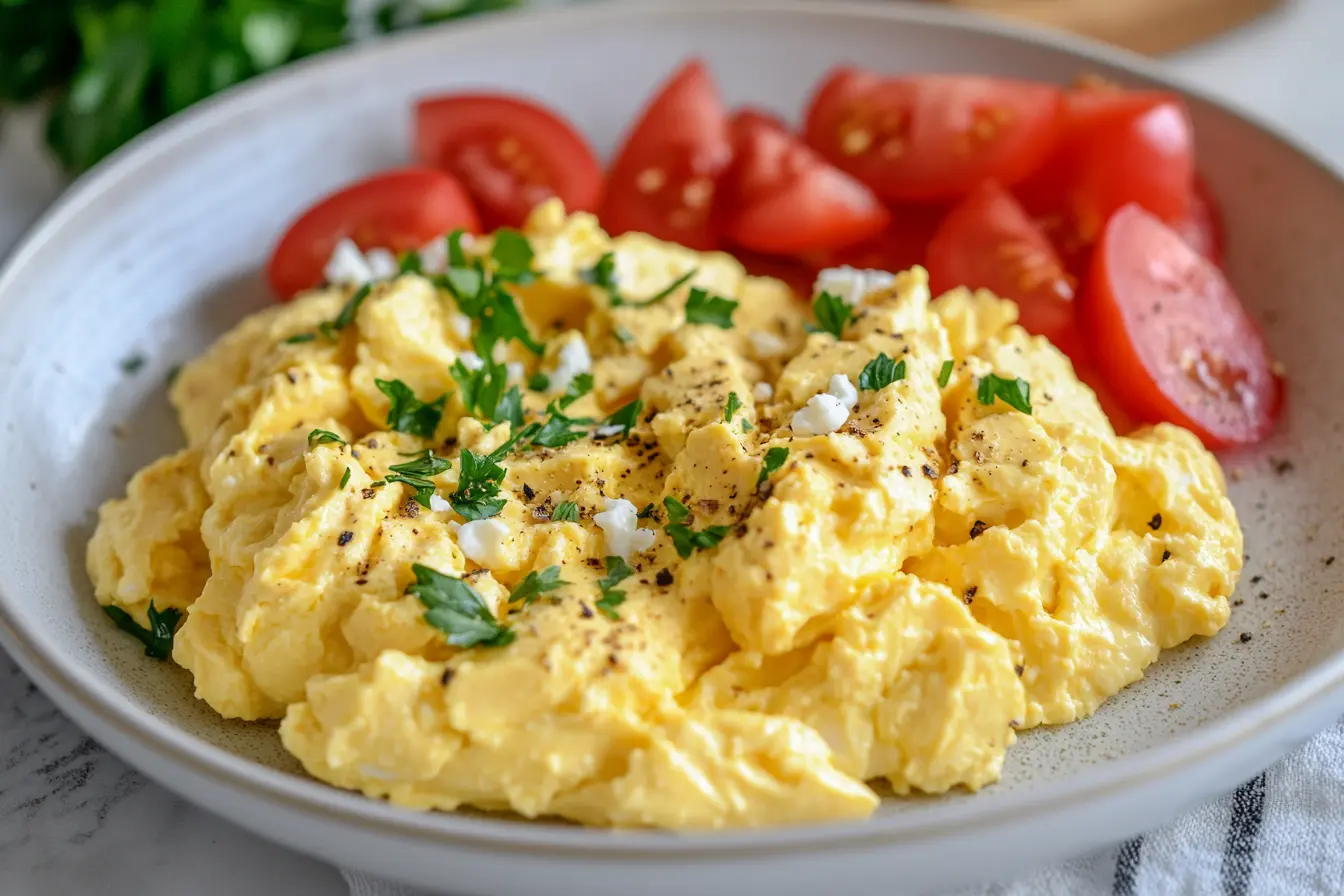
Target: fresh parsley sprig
{"points": [[603, 275], [565, 512], [685, 539], [945, 373], [535, 584], [774, 459], [416, 474], [612, 597], [832, 313], [456, 609], [158, 638], [579, 386], [881, 372], [477, 496], [408, 414], [730, 409], [479, 289], [346, 316], [323, 436], [703, 308], [1016, 393], [626, 417]]}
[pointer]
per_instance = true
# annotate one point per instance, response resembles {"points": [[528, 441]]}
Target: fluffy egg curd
{"points": [[605, 529]]}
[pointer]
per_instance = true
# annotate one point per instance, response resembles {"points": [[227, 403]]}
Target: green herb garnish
{"points": [[774, 459], [945, 374], [881, 372], [481, 295], [746, 425], [409, 262], [565, 512], [477, 496], [702, 308], [456, 609], [612, 597], [345, 478], [132, 364], [832, 314], [322, 436], [535, 584], [346, 316], [559, 430], [732, 407], [539, 382], [417, 473], [509, 408], [685, 539], [649, 512], [480, 389], [603, 276], [579, 386], [1016, 393], [409, 414], [626, 417], [300, 338], [158, 638], [512, 255]]}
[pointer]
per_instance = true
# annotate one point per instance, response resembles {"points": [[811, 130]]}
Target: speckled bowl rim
{"points": [[1307, 696]]}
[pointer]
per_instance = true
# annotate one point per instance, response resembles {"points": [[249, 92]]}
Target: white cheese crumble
{"points": [[483, 541], [516, 371], [439, 504], [572, 360], [823, 413], [434, 256], [460, 324], [843, 389], [471, 360], [347, 266], [762, 391], [620, 526], [611, 429], [851, 284], [382, 263], [766, 344]]}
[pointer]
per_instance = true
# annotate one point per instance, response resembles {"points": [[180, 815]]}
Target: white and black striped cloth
{"points": [[1279, 834]]}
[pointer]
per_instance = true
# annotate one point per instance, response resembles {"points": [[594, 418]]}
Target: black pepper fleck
{"points": [[1156, 522], [1282, 466], [1019, 669], [1255, 580], [585, 611], [528, 493], [969, 594], [1238, 602], [929, 472], [978, 528], [1329, 560], [907, 472], [368, 493], [1166, 555], [664, 577], [446, 677], [345, 538], [1263, 595], [1245, 636]]}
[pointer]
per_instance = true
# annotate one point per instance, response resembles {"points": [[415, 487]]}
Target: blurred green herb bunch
{"points": [[115, 67]]}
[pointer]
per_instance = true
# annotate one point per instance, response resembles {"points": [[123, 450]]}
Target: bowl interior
{"points": [[157, 254]]}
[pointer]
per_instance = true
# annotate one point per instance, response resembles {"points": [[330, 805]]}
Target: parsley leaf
{"points": [[480, 389], [535, 584], [603, 275], [158, 638], [945, 374], [559, 430], [538, 382], [565, 512], [477, 495], [482, 297], [774, 459], [612, 597], [456, 257], [626, 417], [300, 338], [746, 425], [832, 314], [1016, 393], [578, 387], [500, 321], [512, 255], [456, 609], [409, 414], [650, 512], [409, 262], [345, 478], [685, 539], [346, 316], [702, 308], [425, 465], [322, 436], [733, 406], [666, 291], [509, 409], [881, 372]]}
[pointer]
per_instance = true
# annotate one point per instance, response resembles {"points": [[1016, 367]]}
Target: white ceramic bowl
{"points": [[157, 252]]}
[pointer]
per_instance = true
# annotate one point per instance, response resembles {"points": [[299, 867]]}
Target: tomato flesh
{"points": [[510, 153], [933, 137], [1171, 337], [665, 175], [988, 241], [780, 196], [398, 210]]}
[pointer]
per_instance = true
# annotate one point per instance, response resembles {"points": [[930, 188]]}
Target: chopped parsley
{"points": [[612, 597], [666, 291], [732, 407], [622, 334], [512, 255], [456, 609], [535, 584], [322, 436], [538, 382], [945, 374], [416, 474], [409, 414], [345, 478], [558, 430], [832, 314], [579, 386], [626, 417], [746, 425], [409, 262], [881, 372], [603, 275], [346, 316], [774, 459], [480, 293], [565, 512], [456, 257], [477, 496], [158, 638], [685, 539], [132, 365], [650, 512], [702, 308], [481, 390], [300, 338], [1016, 393], [509, 408]]}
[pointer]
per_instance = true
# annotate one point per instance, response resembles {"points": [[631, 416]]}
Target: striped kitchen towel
{"points": [[1279, 834]]}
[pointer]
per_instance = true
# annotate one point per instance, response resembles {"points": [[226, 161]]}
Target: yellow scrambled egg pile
{"points": [[892, 603]]}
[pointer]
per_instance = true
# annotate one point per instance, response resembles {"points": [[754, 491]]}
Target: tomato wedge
{"points": [[1118, 147], [933, 136], [664, 177], [398, 210], [902, 245], [510, 153], [1171, 337], [780, 196], [990, 242]]}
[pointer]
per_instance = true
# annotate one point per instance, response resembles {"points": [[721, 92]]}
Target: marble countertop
{"points": [[74, 819]]}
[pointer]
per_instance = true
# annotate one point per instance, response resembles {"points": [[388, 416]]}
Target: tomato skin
{"points": [[932, 137], [1117, 147], [510, 153], [665, 174], [902, 245], [989, 241], [1172, 339], [779, 196], [398, 210]]}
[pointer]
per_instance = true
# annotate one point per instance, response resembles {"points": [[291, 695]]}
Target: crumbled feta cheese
{"points": [[439, 504], [460, 324], [620, 526], [382, 263], [851, 284], [843, 389], [606, 432], [767, 344], [516, 371], [471, 360], [762, 391], [347, 266], [483, 541], [823, 413], [572, 360], [434, 256], [454, 526]]}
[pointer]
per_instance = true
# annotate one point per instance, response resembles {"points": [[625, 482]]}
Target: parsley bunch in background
{"points": [[116, 67]]}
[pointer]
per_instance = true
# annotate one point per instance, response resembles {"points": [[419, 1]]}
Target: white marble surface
{"points": [[74, 819]]}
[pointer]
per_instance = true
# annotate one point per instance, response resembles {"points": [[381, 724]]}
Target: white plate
{"points": [[157, 251]]}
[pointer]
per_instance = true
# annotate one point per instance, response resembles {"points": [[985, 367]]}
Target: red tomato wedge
{"points": [[664, 177], [1202, 227], [398, 210], [780, 196], [510, 153], [990, 242], [1171, 337], [797, 274], [933, 136], [1074, 343], [902, 245], [1118, 147]]}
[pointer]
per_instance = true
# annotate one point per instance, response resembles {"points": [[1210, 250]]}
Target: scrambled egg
{"points": [[892, 602]]}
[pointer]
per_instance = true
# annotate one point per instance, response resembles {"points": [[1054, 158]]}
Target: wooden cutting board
{"points": [[1146, 26]]}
